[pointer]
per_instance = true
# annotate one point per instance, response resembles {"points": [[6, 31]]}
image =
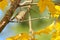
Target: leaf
{"points": [[57, 7], [57, 26], [25, 36], [22, 36], [53, 36], [41, 23], [56, 15], [46, 30], [3, 4], [9, 39], [51, 8], [57, 38], [42, 5]]}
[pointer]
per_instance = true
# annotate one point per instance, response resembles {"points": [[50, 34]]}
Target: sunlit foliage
{"points": [[3, 4], [55, 13]]}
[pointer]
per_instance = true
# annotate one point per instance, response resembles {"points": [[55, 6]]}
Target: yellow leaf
{"points": [[57, 7], [25, 36], [3, 4], [53, 36], [57, 38], [22, 36], [56, 15], [51, 8], [42, 5], [9, 39], [56, 35], [57, 26]]}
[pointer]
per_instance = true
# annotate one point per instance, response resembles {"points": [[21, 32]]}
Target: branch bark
{"points": [[9, 13], [27, 4]]}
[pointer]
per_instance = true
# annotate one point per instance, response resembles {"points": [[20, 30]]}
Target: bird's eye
{"points": [[1, 0]]}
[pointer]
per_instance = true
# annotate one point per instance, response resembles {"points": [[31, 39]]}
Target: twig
{"points": [[27, 4], [30, 24], [31, 19]]}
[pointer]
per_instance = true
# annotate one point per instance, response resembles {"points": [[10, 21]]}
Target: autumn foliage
{"points": [[54, 12]]}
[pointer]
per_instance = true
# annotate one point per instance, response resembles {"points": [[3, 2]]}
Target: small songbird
{"points": [[20, 15]]}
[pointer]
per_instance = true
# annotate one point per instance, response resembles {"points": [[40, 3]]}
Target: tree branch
{"points": [[20, 5], [9, 13], [29, 20]]}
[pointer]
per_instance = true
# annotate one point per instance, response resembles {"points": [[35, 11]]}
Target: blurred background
{"points": [[13, 28]]}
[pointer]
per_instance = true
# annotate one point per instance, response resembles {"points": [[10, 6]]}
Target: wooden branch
{"points": [[29, 20], [9, 13], [27, 4]]}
